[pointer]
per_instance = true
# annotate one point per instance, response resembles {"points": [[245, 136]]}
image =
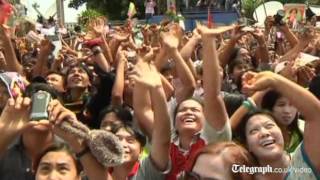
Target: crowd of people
{"points": [[177, 105]]}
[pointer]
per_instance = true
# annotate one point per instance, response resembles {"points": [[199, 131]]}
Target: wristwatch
{"points": [[82, 152]]}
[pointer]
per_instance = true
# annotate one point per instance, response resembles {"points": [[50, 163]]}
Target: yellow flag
{"points": [[132, 10]]}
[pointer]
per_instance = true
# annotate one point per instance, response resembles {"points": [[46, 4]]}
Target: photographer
{"points": [[33, 136]]}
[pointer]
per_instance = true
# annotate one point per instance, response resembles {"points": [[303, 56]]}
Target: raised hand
{"points": [[268, 23], [289, 71], [305, 75], [205, 31], [98, 26], [46, 46], [169, 41], [146, 74], [57, 114], [146, 53], [258, 81], [259, 36], [15, 116]]}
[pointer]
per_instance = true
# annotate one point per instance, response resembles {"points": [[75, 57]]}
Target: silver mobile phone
{"points": [[40, 102]]}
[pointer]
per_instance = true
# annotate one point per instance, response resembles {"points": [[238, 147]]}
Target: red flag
{"points": [[6, 10], [210, 20]]}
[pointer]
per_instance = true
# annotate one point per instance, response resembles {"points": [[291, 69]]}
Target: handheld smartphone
{"points": [[40, 102]]}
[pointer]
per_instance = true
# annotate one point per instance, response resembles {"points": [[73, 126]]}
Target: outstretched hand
{"points": [[169, 40], [205, 31], [145, 74], [253, 82]]}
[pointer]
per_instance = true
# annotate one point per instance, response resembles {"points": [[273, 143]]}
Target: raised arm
{"points": [[14, 120], [188, 49], [149, 79], [171, 43], [9, 54], [226, 50], [100, 59], [41, 67], [307, 104], [91, 167], [262, 49], [118, 86], [214, 108], [292, 39]]}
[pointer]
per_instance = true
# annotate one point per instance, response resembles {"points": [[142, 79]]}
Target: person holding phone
{"points": [[34, 136]]}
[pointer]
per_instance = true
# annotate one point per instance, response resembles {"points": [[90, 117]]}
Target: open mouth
{"points": [[188, 119], [76, 79], [267, 143]]}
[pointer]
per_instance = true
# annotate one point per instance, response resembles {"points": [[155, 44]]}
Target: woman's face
{"points": [[57, 166], [212, 167], [238, 70], [264, 137], [131, 145], [189, 117], [284, 111]]}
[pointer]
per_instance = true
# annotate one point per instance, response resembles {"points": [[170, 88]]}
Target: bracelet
{"points": [[252, 102], [248, 105], [80, 154]]}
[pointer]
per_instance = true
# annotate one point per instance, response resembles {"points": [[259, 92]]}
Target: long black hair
{"points": [[268, 102]]}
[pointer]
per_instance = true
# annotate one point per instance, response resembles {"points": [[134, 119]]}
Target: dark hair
{"points": [[314, 86], [240, 131], [268, 102], [234, 53], [58, 73], [81, 66], [35, 87], [58, 147], [141, 138], [123, 114], [233, 64], [237, 155]]}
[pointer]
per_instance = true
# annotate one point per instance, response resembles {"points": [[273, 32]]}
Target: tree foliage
{"points": [[113, 9]]}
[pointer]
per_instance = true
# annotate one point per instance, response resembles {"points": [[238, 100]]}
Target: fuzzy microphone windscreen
{"points": [[104, 146], [76, 128]]}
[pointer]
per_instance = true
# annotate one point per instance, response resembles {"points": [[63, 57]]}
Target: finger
{"points": [[52, 104], [30, 124], [11, 102], [18, 103], [55, 112], [45, 123], [64, 115], [26, 101]]}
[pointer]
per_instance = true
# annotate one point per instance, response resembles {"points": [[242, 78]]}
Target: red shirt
{"points": [[180, 160]]}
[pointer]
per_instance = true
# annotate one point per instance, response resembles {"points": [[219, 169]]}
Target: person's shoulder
{"points": [[148, 170]]}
